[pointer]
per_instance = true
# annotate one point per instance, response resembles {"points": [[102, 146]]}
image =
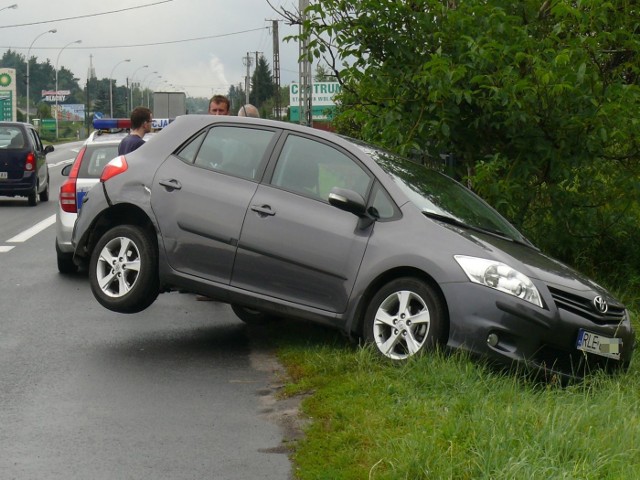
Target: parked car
{"points": [[23, 164], [84, 173], [281, 220]]}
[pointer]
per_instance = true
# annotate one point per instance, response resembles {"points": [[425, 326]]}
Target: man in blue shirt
{"points": [[141, 123]]}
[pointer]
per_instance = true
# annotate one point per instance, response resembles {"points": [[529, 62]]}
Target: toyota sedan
{"points": [[281, 220]]}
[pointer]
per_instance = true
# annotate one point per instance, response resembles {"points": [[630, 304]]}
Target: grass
{"points": [[444, 416]]}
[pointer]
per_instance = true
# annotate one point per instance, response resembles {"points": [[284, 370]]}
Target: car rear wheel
{"points": [[406, 317], [123, 270], [44, 195], [250, 316], [33, 197], [65, 261]]}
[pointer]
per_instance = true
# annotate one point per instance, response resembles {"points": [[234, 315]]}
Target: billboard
{"points": [[8, 97], [73, 112], [322, 100]]}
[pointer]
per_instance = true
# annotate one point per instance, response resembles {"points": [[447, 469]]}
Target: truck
{"points": [[169, 104]]}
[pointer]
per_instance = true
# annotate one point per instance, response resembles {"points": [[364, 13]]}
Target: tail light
{"points": [[115, 167], [67, 195], [30, 164]]}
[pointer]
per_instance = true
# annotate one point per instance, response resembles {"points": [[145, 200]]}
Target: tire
{"points": [[252, 317], [65, 261], [123, 270], [44, 195], [33, 197], [406, 317]]}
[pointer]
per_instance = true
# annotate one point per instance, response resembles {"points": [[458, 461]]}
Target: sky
{"points": [[195, 46]]}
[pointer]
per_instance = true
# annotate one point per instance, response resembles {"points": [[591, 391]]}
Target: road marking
{"points": [[6, 248], [30, 232], [62, 162]]}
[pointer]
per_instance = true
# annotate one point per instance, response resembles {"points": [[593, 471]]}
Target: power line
{"points": [[87, 16], [147, 44]]}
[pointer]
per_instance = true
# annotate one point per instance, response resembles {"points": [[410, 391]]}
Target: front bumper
{"points": [[511, 331]]}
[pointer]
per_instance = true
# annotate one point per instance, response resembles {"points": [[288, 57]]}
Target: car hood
{"points": [[533, 263]]}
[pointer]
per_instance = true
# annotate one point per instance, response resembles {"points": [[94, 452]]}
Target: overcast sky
{"points": [[196, 45]]}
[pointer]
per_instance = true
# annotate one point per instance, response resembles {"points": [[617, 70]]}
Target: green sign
{"points": [[318, 112], [48, 124]]}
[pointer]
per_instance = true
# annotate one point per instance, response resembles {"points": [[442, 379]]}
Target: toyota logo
{"points": [[600, 304]]}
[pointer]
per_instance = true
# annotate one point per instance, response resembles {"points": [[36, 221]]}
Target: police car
{"points": [[99, 148]]}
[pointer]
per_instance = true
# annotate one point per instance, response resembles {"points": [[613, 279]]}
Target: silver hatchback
{"points": [[82, 174]]}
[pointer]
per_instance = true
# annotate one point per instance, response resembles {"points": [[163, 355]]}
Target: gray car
{"points": [[281, 220]]}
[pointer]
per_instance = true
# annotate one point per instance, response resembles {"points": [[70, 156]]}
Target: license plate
{"points": [[599, 344], [4, 175]]}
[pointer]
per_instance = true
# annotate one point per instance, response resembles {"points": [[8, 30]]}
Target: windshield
{"points": [[440, 197]]}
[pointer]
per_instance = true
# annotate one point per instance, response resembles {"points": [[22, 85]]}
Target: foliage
{"points": [[537, 102], [262, 86]]}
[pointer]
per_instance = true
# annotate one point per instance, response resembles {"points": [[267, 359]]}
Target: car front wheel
{"points": [[406, 317], [123, 270]]}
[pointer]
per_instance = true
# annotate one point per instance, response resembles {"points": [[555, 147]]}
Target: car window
{"points": [[11, 137], [35, 139], [237, 151], [313, 168], [95, 158], [190, 150]]}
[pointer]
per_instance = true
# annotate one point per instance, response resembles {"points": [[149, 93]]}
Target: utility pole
{"points": [[256, 85], [304, 71], [276, 70], [247, 61]]}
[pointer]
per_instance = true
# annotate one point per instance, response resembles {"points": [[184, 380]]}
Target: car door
{"points": [[200, 196], [294, 245], [41, 158]]}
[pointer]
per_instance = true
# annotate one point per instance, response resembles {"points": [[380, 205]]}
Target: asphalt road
{"points": [[179, 391]]}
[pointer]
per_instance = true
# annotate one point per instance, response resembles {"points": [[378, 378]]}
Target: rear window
{"points": [[12, 138], [95, 158]]}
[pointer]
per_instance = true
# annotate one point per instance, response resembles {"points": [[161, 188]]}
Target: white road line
{"points": [[6, 248], [63, 162], [30, 232]]}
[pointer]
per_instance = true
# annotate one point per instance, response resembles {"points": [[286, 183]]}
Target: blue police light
{"points": [[111, 123]]}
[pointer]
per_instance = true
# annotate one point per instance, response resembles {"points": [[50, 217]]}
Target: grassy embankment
{"points": [[448, 417]]}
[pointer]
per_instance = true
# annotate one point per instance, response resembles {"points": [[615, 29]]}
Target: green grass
{"points": [[448, 417]]}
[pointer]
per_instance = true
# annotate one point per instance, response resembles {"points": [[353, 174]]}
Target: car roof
{"points": [[105, 137]]}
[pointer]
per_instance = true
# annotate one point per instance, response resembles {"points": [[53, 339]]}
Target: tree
{"points": [[262, 85], [537, 101]]}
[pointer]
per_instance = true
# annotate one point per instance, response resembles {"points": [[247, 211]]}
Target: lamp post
{"points": [[142, 86], [132, 77], [159, 77], [111, 86], [57, 60], [28, 55]]}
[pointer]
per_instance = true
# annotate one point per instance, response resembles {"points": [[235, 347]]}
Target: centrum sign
{"points": [[322, 100]]}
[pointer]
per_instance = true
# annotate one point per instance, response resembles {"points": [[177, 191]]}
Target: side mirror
{"points": [[348, 200], [66, 170], [48, 149]]}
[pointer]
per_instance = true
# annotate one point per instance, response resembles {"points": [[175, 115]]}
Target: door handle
{"points": [[171, 184], [263, 210]]}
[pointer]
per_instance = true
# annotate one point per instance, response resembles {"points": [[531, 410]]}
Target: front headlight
{"points": [[499, 276]]}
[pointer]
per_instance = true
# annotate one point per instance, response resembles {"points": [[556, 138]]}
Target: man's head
{"points": [[248, 110], [219, 105], [141, 117]]}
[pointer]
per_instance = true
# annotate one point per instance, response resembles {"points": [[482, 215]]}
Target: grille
{"points": [[583, 307]]}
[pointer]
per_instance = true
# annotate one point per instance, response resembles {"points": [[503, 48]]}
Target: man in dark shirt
{"points": [[141, 122]]}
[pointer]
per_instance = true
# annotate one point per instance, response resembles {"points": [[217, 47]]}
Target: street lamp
{"points": [[132, 77], [159, 77], [142, 86], [56, 94], [14, 6], [28, 55], [111, 85]]}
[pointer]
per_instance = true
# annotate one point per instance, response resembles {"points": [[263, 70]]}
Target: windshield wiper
{"points": [[459, 223]]}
